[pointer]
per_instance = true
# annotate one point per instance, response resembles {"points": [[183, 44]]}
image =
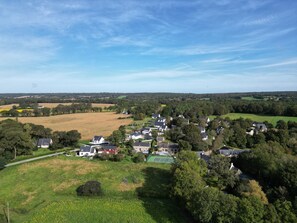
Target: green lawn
{"points": [[40, 152], [260, 118], [136, 125], [250, 98], [44, 191]]}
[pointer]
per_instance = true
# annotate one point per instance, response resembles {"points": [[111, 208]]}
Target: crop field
{"points": [[260, 118], [44, 191], [88, 124]]}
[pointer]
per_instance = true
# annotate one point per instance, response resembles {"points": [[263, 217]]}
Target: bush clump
{"points": [[90, 188], [139, 158], [2, 163]]}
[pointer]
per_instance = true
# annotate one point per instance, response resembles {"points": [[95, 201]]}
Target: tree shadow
{"points": [[155, 195]]}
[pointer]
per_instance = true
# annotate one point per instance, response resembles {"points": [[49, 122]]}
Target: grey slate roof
{"points": [[143, 144], [107, 147], [232, 152], [97, 138], [87, 149]]}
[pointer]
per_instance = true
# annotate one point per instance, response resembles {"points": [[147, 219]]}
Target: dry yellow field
{"points": [[88, 124], [7, 107]]}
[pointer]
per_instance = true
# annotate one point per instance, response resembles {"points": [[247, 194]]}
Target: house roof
{"points": [[168, 145], [160, 124], [204, 135], [159, 138], [97, 138], [136, 134], [87, 149], [259, 125], [143, 144], [44, 142], [202, 129], [108, 147], [232, 152]]}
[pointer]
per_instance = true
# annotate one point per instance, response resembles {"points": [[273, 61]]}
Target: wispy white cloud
{"points": [[261, 21], [291, 61]]}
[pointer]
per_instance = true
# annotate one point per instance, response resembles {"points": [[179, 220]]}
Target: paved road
{"points": [[38, 158]]}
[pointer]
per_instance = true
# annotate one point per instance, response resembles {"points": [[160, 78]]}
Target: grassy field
{"points": [[44, 191], [88, 124], [250, 98], [136, 125], [259, 118]]}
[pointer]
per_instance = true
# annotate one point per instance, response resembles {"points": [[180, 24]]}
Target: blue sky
{"points": [[203, 46]]}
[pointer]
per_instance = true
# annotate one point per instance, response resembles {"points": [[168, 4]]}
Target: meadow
{"points": [[44, 191], [258, 118], [88, 124]]}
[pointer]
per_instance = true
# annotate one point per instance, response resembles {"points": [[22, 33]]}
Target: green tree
{"points": [[285, 211], [250, 210], [184, 145], [220, 174], [188, 172]]}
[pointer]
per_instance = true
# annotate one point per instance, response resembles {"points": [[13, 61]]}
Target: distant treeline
{"points": [[32, 109], [160, 97], [141, 105], [193, 109]]}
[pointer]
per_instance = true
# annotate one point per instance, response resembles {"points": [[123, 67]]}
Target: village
{"points": [[163, 150], [151, 141]]}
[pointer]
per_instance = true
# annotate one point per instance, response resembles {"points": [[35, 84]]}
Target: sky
{"points": [[186, 46]]}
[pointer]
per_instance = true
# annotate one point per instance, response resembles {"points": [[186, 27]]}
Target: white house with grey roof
{"points": [[97, 140], [44, 143], [87, 151]]}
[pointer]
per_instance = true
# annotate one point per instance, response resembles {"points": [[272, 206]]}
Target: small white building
{"points": [[87, 151], [97, 140]]}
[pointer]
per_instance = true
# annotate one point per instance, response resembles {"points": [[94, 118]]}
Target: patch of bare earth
{"points": [[128, 186], [30, 196], [65, 185]]}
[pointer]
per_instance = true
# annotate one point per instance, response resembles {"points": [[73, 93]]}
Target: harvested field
{"points": [[88, 124], [8, 106]]}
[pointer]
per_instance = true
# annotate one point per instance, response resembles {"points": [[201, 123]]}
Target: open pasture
{"points": [[260, 118], [88, 124], [44, 191]]}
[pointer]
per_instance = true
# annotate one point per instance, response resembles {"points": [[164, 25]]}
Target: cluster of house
{"points": [[162, 148], [97, 145]]}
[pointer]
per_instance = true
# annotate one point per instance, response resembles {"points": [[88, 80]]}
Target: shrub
{"points": [[90, 188], [138, 158], [2, 163], [118, 157]]}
